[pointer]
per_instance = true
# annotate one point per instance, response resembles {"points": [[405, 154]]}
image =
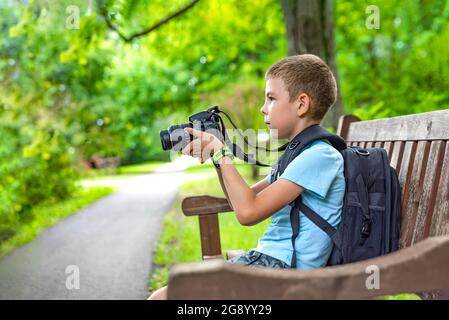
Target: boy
{"points": [[299, 91]]}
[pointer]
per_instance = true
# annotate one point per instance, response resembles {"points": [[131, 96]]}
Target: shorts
{"points": [[254, 258]]}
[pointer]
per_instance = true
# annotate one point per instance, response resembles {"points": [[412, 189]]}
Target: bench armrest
{"points": [[422, 267], [207, 209], [204, 204]]}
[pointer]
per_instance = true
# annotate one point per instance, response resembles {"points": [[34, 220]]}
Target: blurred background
{"points": [[86, 86]]}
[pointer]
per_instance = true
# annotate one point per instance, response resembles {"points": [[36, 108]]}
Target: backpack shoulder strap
{"points": [[294, 148], [302, 140], [315, 132], [312, 216]]}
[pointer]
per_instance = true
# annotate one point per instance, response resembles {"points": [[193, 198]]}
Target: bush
{"points": [[35, 166]]}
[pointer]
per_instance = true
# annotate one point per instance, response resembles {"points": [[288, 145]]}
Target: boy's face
{"points": [[279, 113]]}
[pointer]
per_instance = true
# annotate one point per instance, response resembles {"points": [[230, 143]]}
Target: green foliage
{"points": [[67, 94], [401, 68], [402, 296], [147, 167], [38, 154], [32, 170]]}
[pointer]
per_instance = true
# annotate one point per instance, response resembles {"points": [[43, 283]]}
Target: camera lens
{"points": [[165, 140], [175, 137]]}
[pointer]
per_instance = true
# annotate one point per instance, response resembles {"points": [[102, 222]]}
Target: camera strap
{"points": [[236, 150]]}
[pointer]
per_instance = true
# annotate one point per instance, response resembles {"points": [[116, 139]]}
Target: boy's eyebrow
{"points": [[270, 93]]}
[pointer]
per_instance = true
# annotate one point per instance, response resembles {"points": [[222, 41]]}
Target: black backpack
{"points": [[370, 218]]}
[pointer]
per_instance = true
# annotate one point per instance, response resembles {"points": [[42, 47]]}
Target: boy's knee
{"points": [[159, 294]]}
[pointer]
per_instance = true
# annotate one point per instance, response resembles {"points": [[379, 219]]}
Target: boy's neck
{"points": [[301, 126]]}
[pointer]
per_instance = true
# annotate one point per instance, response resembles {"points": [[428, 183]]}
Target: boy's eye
{"points": [[270, 98]]}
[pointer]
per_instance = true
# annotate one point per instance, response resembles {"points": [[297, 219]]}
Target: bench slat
{"points": [[429, 192], [396, 155], [425, 126], [440, 221], [378, 144], [405, 173], [388, 146], [412, 192], [404, 176]]}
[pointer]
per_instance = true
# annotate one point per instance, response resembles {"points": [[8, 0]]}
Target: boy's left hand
{"points": [[203, 146]]}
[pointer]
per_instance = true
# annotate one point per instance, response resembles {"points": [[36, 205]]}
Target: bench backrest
{"points": [[418, 148]]}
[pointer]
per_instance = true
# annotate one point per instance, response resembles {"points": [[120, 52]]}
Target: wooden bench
{"points": [[418, 148], [99, 162]]}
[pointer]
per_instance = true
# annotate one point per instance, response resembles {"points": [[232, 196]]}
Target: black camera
{"points": [[176, 138]]}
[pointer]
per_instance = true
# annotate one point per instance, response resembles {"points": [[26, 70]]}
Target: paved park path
{"points": [[108, 245]]}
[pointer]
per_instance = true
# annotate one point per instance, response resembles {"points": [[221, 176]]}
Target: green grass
{"points": [[208, 167], [146, 167], [403, 296], [46, 215], [180, 240], [123, 171]]}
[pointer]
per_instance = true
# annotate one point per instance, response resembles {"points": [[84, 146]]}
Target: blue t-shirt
{"points": [[319, 170]]}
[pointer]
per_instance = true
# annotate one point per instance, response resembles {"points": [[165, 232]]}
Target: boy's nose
{"points": [[263, 109]]}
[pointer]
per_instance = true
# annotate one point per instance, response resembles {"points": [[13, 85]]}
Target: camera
{"points": [[175, 138]]}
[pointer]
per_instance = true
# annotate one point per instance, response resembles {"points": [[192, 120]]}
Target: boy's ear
{"points": [[303, 104]]}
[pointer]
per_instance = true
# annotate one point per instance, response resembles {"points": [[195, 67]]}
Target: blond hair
{"points": [[307, 73]]}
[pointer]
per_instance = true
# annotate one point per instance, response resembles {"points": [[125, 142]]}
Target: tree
{"points": [[103, 10], [310, 29]]}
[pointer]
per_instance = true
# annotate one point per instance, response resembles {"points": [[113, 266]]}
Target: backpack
{"points": [[370, 218]]}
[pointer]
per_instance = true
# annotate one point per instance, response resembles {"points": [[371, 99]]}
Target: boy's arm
{"points": [[258, 187], [252, 207], [220, 178]]}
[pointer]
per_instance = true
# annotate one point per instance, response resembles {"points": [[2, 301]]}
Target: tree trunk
{"points": [[310, 29]]}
